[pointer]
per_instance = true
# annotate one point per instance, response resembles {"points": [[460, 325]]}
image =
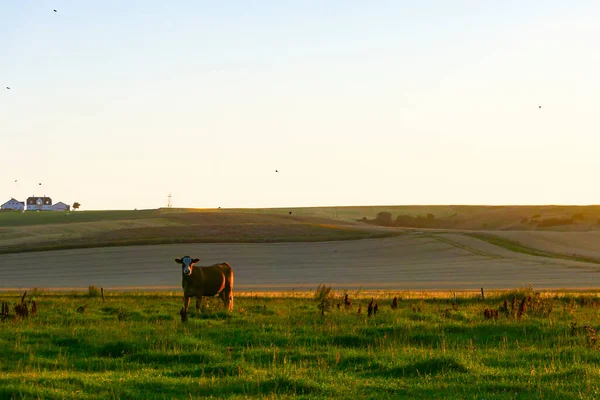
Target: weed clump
{"points": [[373, 308], [325, 299], [93, 291], [522, 308], [21, 310], [5, 310], [491, 314], [347, 302]]}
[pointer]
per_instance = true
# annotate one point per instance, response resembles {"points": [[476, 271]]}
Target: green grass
{"points": [[22, 232], [30, 218], [134, 346], [41, 231]]}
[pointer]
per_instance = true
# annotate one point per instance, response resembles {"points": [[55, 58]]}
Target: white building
{"points": [[13, 204], [39, 204], [60, 206]]}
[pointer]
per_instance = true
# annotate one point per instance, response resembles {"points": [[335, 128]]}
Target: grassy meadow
{"points": [[32, 231], [279, 345], [558, 228]]}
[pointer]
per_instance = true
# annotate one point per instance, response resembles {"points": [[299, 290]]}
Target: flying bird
{"points": [[539, 106], [40, 184], [54, 10], [8, 88], [276, 171]]}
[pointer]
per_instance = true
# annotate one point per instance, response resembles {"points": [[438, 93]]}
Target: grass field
{"points": [[32, 231], [20, 232], [279, 346], [463, 217]]}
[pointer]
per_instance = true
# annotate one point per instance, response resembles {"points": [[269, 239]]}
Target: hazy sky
{"points": [[116, 104]]}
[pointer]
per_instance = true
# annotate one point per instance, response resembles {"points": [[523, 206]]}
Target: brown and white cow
{"points": [[206, 281]]}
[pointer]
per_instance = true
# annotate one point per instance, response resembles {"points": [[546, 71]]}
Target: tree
{"points": [[384, 218], [76, 205]]}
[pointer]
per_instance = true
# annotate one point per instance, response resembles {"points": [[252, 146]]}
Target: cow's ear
{"points": [[195, 260], [178, 261]]}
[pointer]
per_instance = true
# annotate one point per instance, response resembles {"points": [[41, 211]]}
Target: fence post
{"points": [[454, 297], [102, 291], [482, 294]]}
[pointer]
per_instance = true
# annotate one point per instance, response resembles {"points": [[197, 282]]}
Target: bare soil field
{"points": [[413, 261]]}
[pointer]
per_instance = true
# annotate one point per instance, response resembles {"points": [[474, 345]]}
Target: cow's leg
{"points": [[184, 310], [227, 297], [198, 302], [186, 302], [223, 297]]}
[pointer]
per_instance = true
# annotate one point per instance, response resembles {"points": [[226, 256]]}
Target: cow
{"points": [[204, 282]]}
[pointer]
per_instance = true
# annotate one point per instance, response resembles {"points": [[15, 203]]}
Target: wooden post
{"points": [[482, 294], [102, 291], [454, 297]]}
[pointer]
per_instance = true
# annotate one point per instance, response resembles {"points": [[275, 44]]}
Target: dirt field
{"points": [[413, 261]]}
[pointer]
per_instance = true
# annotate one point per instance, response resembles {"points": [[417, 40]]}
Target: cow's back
{"points": [[208, 281]]}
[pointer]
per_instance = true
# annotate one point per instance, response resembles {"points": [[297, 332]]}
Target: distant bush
{"points": [[548, 222], [384, 218], [427, 221]]}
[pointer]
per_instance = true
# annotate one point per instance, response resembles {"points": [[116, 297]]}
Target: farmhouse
{"points": [[60, 206], [39, 204], [13, 204], [35, 203]]}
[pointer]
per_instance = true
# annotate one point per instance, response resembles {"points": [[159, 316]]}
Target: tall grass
{"points": [[134, 346]]}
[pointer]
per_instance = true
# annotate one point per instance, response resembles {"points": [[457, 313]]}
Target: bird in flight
{"points": [[539, 106], [276, 170], [8, 88], [54, 10]]}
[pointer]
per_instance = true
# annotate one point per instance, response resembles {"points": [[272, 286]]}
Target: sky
{"points": [[117, 104]]}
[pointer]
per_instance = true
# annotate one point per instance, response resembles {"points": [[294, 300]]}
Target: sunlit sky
{"points": [[115, 104]]}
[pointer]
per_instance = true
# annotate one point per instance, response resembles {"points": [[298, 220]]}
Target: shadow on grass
{"points": [[432, 366], [216, 370], [228, 386]]}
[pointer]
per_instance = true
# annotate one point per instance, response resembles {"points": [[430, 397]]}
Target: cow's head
{"points": [[187, 264]]}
